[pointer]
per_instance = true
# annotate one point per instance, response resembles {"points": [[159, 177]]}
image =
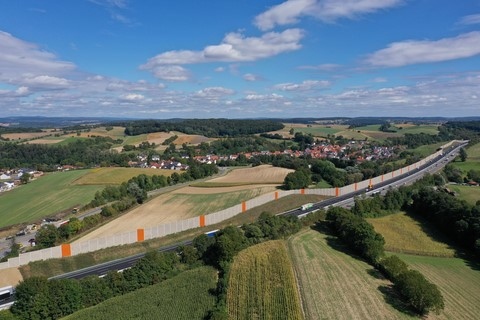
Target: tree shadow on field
{"points": [[333, 241], [392, 298], [375, 274], [431, 231]]}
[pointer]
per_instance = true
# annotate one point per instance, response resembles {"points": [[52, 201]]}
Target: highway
{"points": [[343, 200], [346, 200]]}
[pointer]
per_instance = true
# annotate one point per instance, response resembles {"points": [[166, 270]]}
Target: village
{"points": [[359, 151]]}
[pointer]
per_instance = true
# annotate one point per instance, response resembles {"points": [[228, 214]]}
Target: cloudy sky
{"points": [[240, 59]]}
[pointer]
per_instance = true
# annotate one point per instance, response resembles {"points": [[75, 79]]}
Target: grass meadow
{"points": [[423, 248], [336, 285], [46, 196], [473, 159], [262, 285], [184, 297], [471, 194], [458, 281], [404, 234]]}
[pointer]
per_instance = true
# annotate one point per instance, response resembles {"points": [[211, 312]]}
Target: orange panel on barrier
{"points": [[276, 195], [66, 250], [401, 170], [202, 221], [244, 206], [140, 235], [337, 192], [382, 177], [356, 186], [302, 191]]}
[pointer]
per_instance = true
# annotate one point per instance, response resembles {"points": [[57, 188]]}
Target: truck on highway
{"points": [[6, 292], [306, 206]]}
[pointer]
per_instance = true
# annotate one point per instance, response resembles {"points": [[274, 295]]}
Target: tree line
{"points": [[80, 152], [117, 199], [39, 298], [420, 294], [213, 128]]}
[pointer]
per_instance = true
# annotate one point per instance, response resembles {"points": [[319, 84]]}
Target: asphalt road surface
{"points": [[346, 200]]}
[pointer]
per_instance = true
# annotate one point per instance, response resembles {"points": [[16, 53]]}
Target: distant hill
{"points": [[60, 122]]}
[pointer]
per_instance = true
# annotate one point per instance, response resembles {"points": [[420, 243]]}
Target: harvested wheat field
{"points": [[190, 139], [264, 174], [176, 206], [158, 137], [26, 135], [10, 277], [335, 285], [46, 141], [215, 195]]}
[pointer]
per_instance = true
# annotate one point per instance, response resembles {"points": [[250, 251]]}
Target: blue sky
{"points": [[240, 59]]}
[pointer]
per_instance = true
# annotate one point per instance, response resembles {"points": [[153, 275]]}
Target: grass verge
{"points": [[54, 267]]}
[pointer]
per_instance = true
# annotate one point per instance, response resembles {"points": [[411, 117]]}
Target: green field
{"points": [[117, 175], [427, 129], [209, 203], [471, 194], [321, 130], [404, 234], [336, 285], [45, 196], [371, 127], [426, 150], [458, 281], [186, 296], [262, 284], [473, 159]]}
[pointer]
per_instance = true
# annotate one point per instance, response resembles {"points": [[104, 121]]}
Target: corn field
{"points": [[262, 284], [184, 297]]}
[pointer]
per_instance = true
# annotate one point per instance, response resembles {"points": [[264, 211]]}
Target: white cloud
{"points": [[22, 91], [214, 92], [120, 4], [303, 86], [235, 47], [171, 73], [19, 57], [47, 82], [425, 51], [251, 77], [132, 97], [379, 80], [219, 69], [290, 11], [326, 67], [266, 97], [469, 20]]}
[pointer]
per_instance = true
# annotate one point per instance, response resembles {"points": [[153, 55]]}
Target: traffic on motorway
{"points": [[345, 200]]}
